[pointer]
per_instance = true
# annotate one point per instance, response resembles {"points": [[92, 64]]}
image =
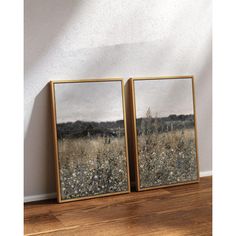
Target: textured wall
{"points": [[69, 39]]}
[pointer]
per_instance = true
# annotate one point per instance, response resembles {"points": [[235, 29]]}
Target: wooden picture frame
{"points": [[152, 180], [69, 161]]}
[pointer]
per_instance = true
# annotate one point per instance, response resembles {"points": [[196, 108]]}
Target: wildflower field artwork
{"points": [[91, 139], [165, 131]]}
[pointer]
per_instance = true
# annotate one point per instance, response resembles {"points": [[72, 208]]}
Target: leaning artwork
{"points": [[164, 129], [90, 138]]}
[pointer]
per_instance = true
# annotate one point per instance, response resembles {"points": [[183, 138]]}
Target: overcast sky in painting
{"points": [[164, 97], [89, 101]]}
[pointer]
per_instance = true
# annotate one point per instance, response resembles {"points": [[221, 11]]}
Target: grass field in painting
{"points": [[167, 158], [166, 150], [92, 165]]}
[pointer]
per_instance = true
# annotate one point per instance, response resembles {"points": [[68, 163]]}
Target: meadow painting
{"points": [[91, 139], [164, 123]]}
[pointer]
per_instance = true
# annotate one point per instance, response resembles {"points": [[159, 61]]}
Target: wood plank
{"points": [[181, 210]]}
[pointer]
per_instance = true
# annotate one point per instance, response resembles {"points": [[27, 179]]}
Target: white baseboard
{"points": [[205, 173], [46, 196], [39, 197]]}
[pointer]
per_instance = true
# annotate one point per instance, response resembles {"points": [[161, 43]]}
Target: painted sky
{"points": [[164, 97], [89, 101]]}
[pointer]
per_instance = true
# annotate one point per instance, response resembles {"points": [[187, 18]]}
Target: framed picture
{"points": [[164, 130], [90, 139]]}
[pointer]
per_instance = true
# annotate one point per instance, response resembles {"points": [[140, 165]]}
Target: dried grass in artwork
{"points": [[90, 139], [165, 130]]}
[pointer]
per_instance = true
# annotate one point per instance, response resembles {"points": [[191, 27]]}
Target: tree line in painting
{"points": [[81, 129], [154, 124]]}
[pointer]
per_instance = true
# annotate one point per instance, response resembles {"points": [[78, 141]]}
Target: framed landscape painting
{"points": [[90, 138], [164, 129]]}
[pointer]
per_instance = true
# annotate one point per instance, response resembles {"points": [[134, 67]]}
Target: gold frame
{"points": [[134, 128], [56, 159]]}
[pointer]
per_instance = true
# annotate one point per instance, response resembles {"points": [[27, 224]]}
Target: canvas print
{"points": [[165, 132], [91, 139]]}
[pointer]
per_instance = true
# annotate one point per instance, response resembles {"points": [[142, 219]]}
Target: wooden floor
{"points": [[182, 210]]}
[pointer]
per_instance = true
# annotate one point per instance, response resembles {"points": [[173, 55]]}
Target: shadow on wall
{"points": [[39, 146], [203, 88], [44, 20]]}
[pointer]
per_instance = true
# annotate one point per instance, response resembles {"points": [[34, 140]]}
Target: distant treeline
{"points": [[146, 125], [88, 129], [164, 124]]}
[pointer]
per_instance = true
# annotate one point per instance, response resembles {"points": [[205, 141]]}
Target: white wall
{"points": [[69, 39]]}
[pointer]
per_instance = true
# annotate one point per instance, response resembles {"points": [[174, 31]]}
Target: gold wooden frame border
{"points": [[134, 129], [54, 129]]}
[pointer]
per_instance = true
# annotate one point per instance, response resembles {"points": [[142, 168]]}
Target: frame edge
{"points": [[55, 148], [53, 112], [133, 107]]}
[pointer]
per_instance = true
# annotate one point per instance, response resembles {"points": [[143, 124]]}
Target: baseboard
{"points": [[46, 196], [205, 173], [39, 197]]}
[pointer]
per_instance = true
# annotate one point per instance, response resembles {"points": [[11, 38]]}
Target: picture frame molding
{"points": [[55, 144], [134, 146]]}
